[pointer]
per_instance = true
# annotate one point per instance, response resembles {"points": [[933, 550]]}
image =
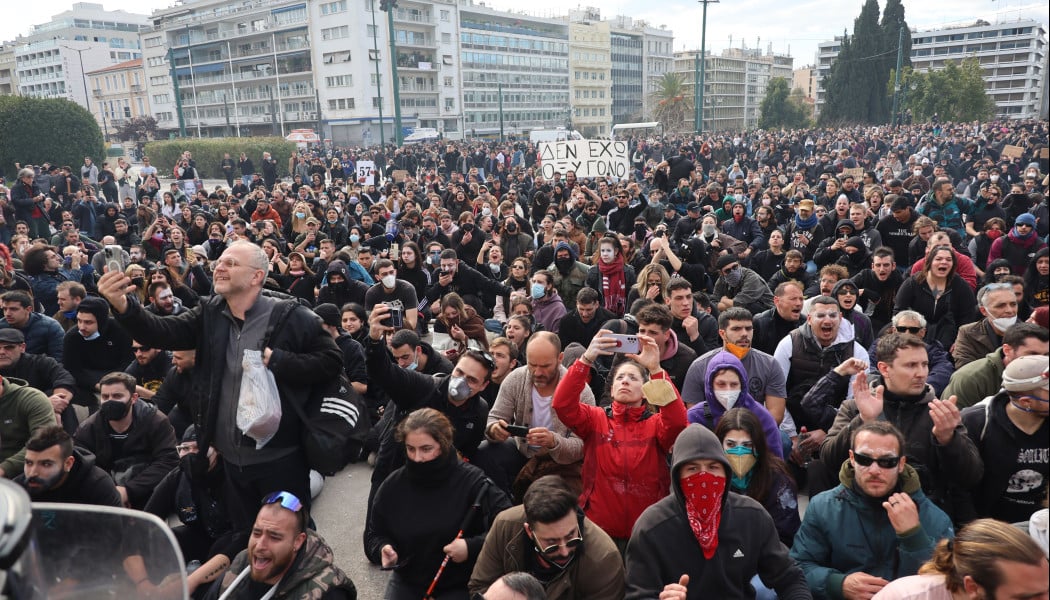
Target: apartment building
{"points": [[734, 85], [1012, 54], [118, 94], [523, 57]]}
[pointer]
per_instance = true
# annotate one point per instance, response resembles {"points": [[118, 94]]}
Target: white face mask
{"points": [[994, 178], [727, 398], [389, 281], [917, 172], [1004, 323]]}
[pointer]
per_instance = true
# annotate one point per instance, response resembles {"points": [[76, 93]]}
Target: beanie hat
{"points": [[1027, 373], [190, 435], [1025, 218], [329, 314], [97, 307]]}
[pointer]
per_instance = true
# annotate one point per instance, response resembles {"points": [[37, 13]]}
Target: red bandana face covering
{"points": [[703, 505]]}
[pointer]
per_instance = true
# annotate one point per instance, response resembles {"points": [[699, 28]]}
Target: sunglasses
{"points": [[572, 544], [483, 357], [911, 330], [141, 349], [884, 462], [287, 499]]}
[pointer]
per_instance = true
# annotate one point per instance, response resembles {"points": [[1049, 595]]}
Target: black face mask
{"points": [[512, 227], [114, 410], [138, 282]]}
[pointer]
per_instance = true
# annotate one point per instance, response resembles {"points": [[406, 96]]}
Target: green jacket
{"points": [[23, 410], [312, 576], [845, 532], [976, 380]]}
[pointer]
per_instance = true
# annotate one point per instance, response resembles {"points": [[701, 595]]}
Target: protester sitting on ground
{"points": [[987, 559], [626, 445], [704, 541], [457, 497], [548, 537], [757, 472], [877, 525]]}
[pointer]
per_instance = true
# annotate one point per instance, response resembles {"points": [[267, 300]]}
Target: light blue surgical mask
{"points": [[538, 291], [354, 238]]}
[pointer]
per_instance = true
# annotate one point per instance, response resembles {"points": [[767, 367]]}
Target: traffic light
{"points": [[387, 5]]}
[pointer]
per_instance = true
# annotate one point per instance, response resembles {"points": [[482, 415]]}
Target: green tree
{"points": [[892, 22], [854, 89], [954, 93], [54, 130], [782, 107], [672, 103], [138, 129]]}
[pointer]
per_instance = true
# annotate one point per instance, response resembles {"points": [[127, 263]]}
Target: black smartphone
{"points": [[518, 430]]}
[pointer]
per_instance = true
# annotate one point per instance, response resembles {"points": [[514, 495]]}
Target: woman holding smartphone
{"points": [[625, 446]]}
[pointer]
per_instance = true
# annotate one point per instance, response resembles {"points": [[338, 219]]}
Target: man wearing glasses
{"points": [[284, 558], [220, 329], [947, 462], [549, 537], [876, 526]]}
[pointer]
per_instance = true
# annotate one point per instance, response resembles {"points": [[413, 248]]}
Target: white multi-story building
{"points": [[240, 69], [1012, 54], [51, 60], [734, 85], [527, 57], [590, 66], [265, 67], [56, 68], [91, 22]]}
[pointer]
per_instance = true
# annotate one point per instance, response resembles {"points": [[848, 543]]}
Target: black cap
{"points": [[693, 207], [10, 335], [329, 314], [726, 260]]}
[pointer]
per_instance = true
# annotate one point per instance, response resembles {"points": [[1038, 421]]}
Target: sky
{"points": [[791, 26]]}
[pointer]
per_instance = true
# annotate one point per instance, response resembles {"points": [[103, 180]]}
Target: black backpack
{"points": [[335, 419]]}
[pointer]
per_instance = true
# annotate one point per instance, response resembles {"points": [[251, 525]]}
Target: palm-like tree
{"points": [[672, 102]]}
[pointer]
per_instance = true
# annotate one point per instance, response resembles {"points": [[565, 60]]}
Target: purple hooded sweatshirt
{"points": [[710, 411]]}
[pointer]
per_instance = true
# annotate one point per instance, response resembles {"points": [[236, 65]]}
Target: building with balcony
{"points": [[239, 69], [641, 54], [8, 70], [1013, 58], [89, 22], [525, 58], [118, 94], [57, 68], [805, 79], [734, 85]]}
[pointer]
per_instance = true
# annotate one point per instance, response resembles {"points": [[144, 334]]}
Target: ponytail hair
{"points": [[976, 552]]}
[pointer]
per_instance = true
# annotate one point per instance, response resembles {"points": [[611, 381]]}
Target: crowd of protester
{"points": [[856, 315]]}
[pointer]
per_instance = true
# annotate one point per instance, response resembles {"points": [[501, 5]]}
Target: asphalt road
{"points": [[339, 513]]}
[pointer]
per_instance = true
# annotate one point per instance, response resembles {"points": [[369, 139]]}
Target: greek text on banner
{"points": [[588, 158]]}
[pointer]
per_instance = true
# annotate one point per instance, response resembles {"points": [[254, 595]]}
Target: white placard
{"points": [[366, 172], [588, 158]]}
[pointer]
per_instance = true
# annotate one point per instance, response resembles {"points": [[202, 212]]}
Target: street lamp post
{"points": [[83, 79], [703, 67], [389, 6], [379, 82]]}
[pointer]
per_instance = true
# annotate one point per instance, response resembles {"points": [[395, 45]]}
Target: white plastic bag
{"points": [[259, 407]]}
